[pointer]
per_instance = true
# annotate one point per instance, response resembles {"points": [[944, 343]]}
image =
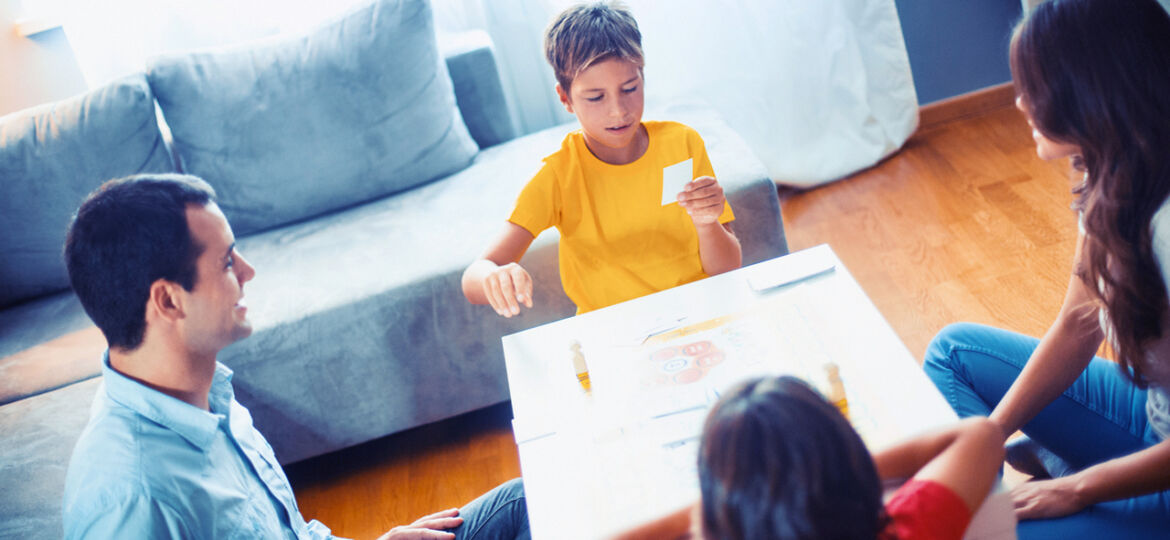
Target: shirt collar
{"points": [[192, 423]]}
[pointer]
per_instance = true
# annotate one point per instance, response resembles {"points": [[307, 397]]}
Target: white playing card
{"points": [[674, 180]]}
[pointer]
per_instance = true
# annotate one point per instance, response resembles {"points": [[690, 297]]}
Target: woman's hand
{"points": [[1041, 499]]}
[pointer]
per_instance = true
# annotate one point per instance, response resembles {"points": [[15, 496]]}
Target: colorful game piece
{"points": [[580, 367], [837, 388]]}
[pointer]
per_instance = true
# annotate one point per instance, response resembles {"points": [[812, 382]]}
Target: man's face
{"points": [[607, 98], [214, 311]]}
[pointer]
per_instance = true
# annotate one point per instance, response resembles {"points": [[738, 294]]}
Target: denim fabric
{"points": [[1101, 416], [500, 514]]}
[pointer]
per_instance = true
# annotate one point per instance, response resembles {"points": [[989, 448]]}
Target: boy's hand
{"points": [[703, 200], [507, 287]]}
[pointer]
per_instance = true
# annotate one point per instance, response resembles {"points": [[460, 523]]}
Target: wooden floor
{"points": [[964, 224]]}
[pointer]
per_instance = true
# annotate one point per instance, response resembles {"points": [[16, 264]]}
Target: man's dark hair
{"points": [[127, 234]]}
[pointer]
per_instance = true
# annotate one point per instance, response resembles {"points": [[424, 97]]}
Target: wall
{"points": [[957, 46], [36, 69]]}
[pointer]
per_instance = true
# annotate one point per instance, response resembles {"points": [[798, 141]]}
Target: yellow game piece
{"points": [[837, 389], [580, 367]]}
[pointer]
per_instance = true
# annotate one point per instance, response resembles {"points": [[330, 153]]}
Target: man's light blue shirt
{"points": [[151, 466]]}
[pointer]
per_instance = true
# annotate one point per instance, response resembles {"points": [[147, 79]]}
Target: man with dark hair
{"points": [[168, 451], [126, 236]]}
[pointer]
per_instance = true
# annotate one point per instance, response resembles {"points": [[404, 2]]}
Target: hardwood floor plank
{"points": [[363, 491], [965, 223]]}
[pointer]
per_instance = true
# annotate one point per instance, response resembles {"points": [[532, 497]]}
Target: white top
{"points": [[1158, 400]]}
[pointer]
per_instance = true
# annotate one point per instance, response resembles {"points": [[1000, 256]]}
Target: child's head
{"points": [[778, 461], [596, 52], [586, 34]]}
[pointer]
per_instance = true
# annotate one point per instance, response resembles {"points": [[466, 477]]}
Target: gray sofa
{"points": [[361, 173]]}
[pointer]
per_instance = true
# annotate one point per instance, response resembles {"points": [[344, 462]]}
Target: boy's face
{"points": [[607, 98]]}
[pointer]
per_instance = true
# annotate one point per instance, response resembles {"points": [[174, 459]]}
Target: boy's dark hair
{"points": [[778, 461], [127, 234], [585, 34]]}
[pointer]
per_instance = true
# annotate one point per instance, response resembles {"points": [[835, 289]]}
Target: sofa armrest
{"points": [[478, 91]]}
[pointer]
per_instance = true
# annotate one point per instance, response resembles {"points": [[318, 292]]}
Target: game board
{"points": [[691, 366]]}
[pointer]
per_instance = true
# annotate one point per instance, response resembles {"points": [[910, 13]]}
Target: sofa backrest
{"points": [[51, 157], [471, 60], [287, 129]]}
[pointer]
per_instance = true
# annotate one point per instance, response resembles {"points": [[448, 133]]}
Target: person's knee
{"points": [[513, 489], [939, 354]]}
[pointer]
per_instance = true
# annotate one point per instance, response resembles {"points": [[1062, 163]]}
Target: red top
{"points": [[926, 510]]}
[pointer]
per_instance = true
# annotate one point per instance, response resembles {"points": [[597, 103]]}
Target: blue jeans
{"points": [[1100, 417], [500, 514]]}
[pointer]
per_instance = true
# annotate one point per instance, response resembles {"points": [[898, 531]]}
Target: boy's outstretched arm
{"points": [[964, 457], [497, 277], [719, 249]]}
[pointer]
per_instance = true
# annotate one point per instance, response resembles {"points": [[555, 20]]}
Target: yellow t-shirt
{"points": [[618, 241]]}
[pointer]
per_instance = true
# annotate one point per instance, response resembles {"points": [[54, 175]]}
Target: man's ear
{"points": [[165, 301], [564, 97]]}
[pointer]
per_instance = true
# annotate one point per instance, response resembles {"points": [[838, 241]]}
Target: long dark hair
{"points": [[1096, 74], [777, 461]]}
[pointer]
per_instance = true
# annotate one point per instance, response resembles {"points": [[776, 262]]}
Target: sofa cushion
{"points": [[478, 90], [51, 157], [291, 128]]}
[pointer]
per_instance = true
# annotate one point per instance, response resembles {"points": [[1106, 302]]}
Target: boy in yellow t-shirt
{"points": [[603, 189]]}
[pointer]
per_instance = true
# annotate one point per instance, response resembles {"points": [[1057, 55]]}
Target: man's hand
{"points": [[703, 199], [427, 527], [507, 287], [1042, 499]]}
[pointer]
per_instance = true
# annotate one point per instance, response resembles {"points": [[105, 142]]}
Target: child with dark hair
{"points": [[778, 461]]}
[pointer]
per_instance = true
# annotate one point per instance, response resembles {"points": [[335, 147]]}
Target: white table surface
{"points": [[598, 463]]}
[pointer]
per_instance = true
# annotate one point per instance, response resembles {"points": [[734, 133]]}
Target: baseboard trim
{"points": [[965, 105]]}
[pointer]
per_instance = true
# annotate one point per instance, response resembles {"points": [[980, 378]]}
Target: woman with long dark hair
{"points": [[1093, 79]]}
